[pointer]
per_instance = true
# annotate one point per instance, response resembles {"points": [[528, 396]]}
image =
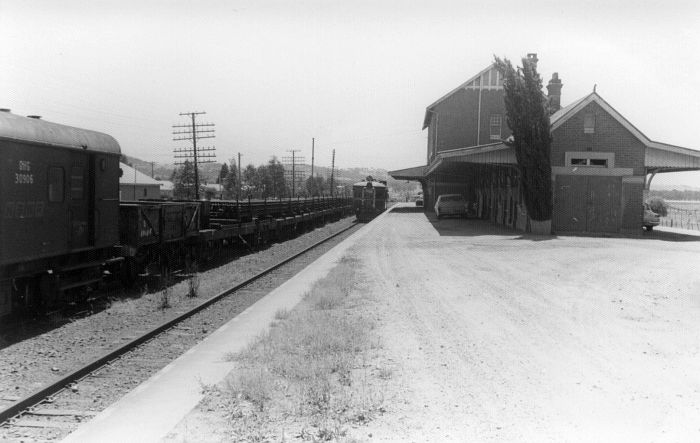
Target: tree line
{"points": [[265, 181]]}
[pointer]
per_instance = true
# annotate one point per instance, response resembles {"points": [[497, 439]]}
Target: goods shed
{"points": [[135, 185], [602, 165]]}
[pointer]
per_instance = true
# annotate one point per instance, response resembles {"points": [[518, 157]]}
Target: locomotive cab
{"points": [[369, 198]]}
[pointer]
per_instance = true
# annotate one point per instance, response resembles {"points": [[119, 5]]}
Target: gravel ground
{"points": [[31, 364], [491, 335]]}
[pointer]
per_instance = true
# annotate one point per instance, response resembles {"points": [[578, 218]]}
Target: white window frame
{"points": [[587, 156]]}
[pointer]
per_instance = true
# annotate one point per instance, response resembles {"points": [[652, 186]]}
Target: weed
{"points": [[256, 386], [165, 293], [384, 373], [193, 282], [164, 299], [282, 314], [304, 366]]}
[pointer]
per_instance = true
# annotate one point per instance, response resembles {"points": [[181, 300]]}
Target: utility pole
{"points": [[290, 166], [312, 158], [332, 174], [194, 132], [240, 179]]}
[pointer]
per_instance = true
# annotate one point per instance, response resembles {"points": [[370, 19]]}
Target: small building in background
{"points": [[167, 189], [135, 185], [213, 191]]}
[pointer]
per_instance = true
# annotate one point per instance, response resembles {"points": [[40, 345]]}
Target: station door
{"points": [[587, 203]]}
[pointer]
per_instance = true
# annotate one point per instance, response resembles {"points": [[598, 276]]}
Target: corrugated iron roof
{"points": [[34, 130]]}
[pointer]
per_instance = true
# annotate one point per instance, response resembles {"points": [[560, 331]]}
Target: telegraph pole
{"points": [[240, 179], [312, 159], [194, 132], [291, 162], [332, 174]]}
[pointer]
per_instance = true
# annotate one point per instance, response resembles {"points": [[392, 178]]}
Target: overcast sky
{"points": [[356, 75]]}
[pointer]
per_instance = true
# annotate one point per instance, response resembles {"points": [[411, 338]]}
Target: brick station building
{"points": [[602, 165]]}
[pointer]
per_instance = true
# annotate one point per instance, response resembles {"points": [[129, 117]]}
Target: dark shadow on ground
{"points": [[471, 227], [408, 209]]}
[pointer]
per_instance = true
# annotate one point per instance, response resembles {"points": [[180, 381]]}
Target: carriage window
{"points": [[77, 181], [55, 184]]}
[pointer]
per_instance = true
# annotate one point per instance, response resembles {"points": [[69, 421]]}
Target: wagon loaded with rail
{"points": [[63, 228]]}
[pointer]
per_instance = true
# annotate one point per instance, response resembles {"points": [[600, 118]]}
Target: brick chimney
{"points": [[554, 93], [532, 58]]}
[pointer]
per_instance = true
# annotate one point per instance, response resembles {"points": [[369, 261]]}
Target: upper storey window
{"points": [[589, 123]]}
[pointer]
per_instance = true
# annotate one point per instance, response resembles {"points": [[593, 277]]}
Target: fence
{"points": [[687, 217]]}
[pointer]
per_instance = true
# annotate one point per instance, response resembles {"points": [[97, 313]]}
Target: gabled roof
{"points": [[561, 116], [428, 110], [131, 176]]}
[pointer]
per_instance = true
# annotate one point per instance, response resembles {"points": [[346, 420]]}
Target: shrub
{"points": [[658, 205]]}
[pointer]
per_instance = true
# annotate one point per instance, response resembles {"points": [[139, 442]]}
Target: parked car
{"points": [[651, 218], [450, 204]]}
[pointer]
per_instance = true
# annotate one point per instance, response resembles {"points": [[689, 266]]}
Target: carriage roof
{"points": [[36, 131]]}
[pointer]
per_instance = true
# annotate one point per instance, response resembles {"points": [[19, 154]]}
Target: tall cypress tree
{"points": [[528, 118]]}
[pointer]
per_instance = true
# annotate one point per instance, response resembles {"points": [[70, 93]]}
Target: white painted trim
{"points": [[461, 86], [584, 170]]}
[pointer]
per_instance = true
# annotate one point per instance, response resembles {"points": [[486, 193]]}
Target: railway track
{"points": [[54, 411]]}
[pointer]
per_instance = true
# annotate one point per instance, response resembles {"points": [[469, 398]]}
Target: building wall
{"points": [[609, 136], [455, 121], [135, 192], [611, 140]]}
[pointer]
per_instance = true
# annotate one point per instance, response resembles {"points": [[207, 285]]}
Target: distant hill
{"points": [[673, 187], [676, 194], [160, 171], [210, 171]]}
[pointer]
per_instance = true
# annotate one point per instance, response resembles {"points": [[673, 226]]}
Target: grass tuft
{"points": [[193, 282], [165, 293], [306, 366]]}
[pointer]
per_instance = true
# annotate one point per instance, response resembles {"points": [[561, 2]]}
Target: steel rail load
{"points": [[63, 229]]}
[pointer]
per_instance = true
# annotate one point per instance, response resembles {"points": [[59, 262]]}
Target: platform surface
{"points": [[150, 411]]}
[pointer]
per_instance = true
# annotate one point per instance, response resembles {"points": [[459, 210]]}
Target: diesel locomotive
{"points": [[369, 198], [63, 229]]}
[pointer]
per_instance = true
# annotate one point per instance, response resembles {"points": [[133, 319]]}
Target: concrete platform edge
{"points": [[177, 388]]}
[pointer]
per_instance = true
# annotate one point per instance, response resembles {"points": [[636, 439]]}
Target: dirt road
{"points": [[496, 337]]}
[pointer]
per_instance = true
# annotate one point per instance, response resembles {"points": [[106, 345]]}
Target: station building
{"points": [[602, 165]]}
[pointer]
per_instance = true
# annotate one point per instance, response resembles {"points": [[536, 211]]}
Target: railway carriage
{"points": [[59, 196], [369, 198]]}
